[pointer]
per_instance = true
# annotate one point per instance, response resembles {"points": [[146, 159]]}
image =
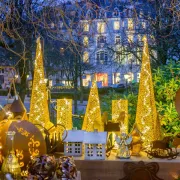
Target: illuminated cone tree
{"points": [[92, 119], [64, 114], [146, 115], [39, 112]]}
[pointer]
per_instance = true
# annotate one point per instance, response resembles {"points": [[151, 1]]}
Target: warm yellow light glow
{"points": [[130, 38], [130, 24], [120, 112], [85, 41], [9, 114], [92, 119], [39, 112], [101, 27], [146, 115], [116, 25], [64, 113], [86, 57], [86, 27]]}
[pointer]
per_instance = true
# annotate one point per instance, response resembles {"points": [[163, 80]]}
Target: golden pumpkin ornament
{"points": [[28, 140]]}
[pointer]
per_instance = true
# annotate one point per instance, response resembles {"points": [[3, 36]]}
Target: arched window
{"points": [[89, 14], [102, 57], [116, 12]]}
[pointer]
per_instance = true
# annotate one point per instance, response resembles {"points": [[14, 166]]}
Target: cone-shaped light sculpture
{"points": [[39, 112], [146, 114]]}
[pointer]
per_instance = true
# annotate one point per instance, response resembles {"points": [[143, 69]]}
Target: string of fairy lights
{"points": [[39, 113], [64, 113], [122, 106], [146, 115], [146, 85], [92, 119]]}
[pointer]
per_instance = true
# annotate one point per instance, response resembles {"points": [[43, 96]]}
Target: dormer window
{"points": [[116, 12], [89, 14], [102, 14]]}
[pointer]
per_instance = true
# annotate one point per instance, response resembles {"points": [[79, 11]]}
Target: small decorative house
{"points": [[73, 142], [95, 143]]}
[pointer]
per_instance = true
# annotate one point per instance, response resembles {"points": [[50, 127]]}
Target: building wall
{"points": [[114, 34]]}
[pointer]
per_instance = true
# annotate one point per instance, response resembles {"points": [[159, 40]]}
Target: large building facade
{"points": [[110, 37]]}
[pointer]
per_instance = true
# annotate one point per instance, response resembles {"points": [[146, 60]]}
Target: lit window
{"points": [[101, 27], [102, 57], [86, 57], [85, 41], [116, 25], [86, 79], [143, 25], [130, 24], [116, 78], [117, 39], [86, 27], [130, 38], [131, 77]]}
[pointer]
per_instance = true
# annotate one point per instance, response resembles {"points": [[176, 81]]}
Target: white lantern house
{"points": [[95, 143], [73, 143]]}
